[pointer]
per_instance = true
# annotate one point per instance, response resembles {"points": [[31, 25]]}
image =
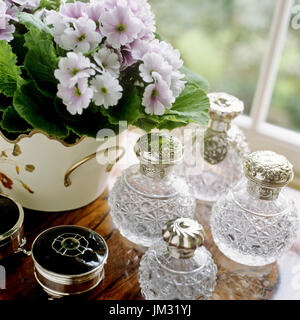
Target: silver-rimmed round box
{"points": [[69, 260], [11, 226]]}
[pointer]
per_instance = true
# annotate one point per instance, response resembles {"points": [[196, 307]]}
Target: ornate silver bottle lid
{"points": [[183, 236], [224, 106], [159, 148], [269, 169]]}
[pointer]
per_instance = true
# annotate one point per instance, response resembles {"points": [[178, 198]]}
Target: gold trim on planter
{"points": [[33, 132], [67, 181]]}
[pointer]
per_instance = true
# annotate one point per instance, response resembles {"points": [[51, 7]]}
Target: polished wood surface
{"points": [[276, 281], [120, 277], [279, 280]]}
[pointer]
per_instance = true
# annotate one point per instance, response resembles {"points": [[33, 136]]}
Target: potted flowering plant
{"points": [[69, 69]]}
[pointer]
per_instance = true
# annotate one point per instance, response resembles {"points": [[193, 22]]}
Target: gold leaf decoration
{"points": [[17, 150], [29, 167], [18, 169], [3, 154], [26, 187]]}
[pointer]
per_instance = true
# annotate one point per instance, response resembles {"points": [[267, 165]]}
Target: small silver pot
{"points": [[12, 237], [69, 260]]}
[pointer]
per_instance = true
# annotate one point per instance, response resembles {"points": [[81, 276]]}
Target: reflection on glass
{"points": [[285, 105], [223, 40]]}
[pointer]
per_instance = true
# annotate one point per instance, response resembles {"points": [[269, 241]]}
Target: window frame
{"points": [[260, 133]]}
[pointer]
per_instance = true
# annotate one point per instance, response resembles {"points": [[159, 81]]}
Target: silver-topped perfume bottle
{"points": [[225, 147], [148, 195], [178, 267], [255, 222]]}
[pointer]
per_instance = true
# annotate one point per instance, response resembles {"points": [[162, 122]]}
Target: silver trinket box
{"points": [[12, 237], [69, 260]]}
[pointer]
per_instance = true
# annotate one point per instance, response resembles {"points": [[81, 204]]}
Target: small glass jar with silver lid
{"points": [[12, 237], [150, 194], [225, 147], [178, 266], [256, 222], [69, 260]]}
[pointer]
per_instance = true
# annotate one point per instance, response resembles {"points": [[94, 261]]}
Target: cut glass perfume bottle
{"points": [[255, 222], [148, 195], [178, 267], [225, 147]]}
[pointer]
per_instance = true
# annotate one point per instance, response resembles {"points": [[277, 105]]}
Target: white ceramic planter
{"points": [[33, 171]]}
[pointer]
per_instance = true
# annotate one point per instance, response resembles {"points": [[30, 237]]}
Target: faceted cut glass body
{"points": [[163, 277], [252, 231], [215, 179], [141, 205]]}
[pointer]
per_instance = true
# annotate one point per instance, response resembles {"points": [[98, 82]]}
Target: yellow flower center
{"points": [[74, 71], [121, 27], [81, 38], [104, 90], [77, 92], [155, 93]]}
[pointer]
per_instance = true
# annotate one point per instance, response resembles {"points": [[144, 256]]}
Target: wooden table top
{"points": [[276, 281], [120, 276]]}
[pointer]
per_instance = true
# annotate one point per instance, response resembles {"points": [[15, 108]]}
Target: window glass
{"points": [[223, 40], [285, 104]]}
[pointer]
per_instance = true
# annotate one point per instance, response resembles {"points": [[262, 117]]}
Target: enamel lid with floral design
{"points": [[69, 250]]}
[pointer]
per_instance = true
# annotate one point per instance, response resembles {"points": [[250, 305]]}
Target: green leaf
{"points": [[12, 122], [60, 52], [35, 35], [39, 111], [2, 107], [146, 123], [172, 122], [127, 108], [49, 4], [30, 20], [10, 73], [191, 106], [18, 48], [41, 61], [86, 124], [159, 36], [5, 102], [194, 79]]}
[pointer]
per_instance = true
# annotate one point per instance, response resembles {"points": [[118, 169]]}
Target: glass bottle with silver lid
{"points": [[178, 267], [225, 147], [149, 194], [256, 222]]}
